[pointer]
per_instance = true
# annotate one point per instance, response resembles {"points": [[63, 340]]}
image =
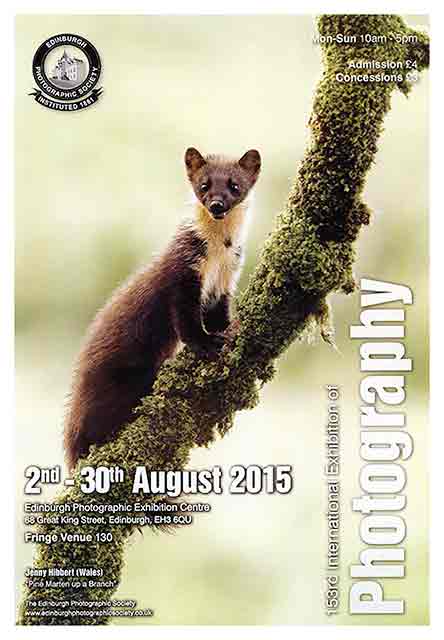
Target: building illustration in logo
{"points": [[69, 70]]}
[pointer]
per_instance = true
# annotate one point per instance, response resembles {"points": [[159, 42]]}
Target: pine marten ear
{"points": [[193, 161], [251, 163]]}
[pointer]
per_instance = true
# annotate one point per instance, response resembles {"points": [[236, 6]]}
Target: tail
{"points": [[72, 440]]}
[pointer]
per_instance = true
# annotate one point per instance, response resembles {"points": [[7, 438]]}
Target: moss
{"points": [[309, 255]]}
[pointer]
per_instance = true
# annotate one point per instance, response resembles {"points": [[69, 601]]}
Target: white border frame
{"points": [[8, 10]]}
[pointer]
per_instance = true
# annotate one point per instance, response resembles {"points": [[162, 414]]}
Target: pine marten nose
{"points": [[217, 208]]}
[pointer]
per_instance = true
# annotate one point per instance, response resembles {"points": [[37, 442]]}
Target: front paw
{"points": [[210, 345], [216, 326], [216, 342]]}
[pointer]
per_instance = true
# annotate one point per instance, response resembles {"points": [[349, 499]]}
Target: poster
{"points": [[221, 319]]}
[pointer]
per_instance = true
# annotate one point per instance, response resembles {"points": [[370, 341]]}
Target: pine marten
{"points": [[183, 296]]}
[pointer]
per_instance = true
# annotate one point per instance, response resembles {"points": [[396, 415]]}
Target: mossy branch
{"points": [[309, 255]]}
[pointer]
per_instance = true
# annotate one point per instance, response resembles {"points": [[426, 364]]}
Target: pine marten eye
{"points": [[204, 187], [234, 188]]}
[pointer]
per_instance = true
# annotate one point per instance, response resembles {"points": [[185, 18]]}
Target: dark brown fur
{"points": [[144, 321]]}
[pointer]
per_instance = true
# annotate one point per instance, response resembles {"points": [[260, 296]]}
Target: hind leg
{"points": [[105, 408]]}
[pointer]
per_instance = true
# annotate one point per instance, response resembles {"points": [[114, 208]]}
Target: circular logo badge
{"points": [[66, 68]]}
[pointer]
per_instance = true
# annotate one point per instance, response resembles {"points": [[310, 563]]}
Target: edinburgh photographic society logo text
{"points": [[66, 69]]}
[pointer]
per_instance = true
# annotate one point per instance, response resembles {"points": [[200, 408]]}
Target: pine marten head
{"points": [[221, 183]]}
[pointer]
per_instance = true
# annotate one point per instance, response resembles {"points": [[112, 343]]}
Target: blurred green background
{"points": [[99, 191]]}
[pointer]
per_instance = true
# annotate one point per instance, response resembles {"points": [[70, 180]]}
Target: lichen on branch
{"points": [[309, 255]]}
